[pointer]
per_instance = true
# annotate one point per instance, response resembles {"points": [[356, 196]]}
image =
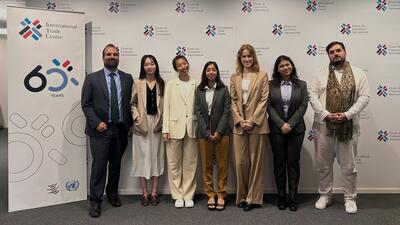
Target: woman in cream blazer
{"points": [[179, 127], [249, 94]]}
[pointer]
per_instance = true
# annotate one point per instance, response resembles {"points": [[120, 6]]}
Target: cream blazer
{"points": [[139, 110], [179, 111], [255, 109]]}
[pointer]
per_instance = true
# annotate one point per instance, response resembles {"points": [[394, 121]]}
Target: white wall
{"points": [[3, 82]]}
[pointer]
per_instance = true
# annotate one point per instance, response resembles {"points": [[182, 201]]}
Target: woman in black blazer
{"points": [[213, 104], [288, 101]]}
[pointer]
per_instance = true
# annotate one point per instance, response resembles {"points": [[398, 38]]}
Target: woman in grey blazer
{"points": [[288, 101], [213, 105]]}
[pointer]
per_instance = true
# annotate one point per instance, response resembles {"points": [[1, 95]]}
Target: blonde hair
{"points": [[239, 66]]}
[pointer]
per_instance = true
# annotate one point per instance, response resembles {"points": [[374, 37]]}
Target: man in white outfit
{"points": [[337, 94]]}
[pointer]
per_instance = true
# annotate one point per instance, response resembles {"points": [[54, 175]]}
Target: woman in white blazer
{"points": [[179, 127]]}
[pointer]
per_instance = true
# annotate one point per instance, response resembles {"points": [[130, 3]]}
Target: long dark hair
{"points": [[142, 74], [204, 80], [276, 75]]}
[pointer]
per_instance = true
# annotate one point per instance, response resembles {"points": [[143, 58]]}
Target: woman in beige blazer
{"points": [[249, 94], [147, 143], [179, 127]]}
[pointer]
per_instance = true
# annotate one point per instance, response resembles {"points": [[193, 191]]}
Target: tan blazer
{"points": [[256, 106], [139, 110], [179, 111]]}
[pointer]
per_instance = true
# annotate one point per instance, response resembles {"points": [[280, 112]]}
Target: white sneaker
{"points": [[179, 203], [323, 202], [189, 203], [351, 206]]}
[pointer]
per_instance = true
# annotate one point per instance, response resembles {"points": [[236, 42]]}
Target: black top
{"points": [[151, 100]]}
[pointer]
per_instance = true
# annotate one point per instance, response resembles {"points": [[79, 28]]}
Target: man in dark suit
{"points": [[105, 102]]}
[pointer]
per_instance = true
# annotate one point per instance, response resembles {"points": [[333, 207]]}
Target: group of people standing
{"points": [[200, 119]]}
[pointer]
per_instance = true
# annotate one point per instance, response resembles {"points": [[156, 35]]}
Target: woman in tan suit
{"points": [[249, 94], [147, 143], [179, 127]]}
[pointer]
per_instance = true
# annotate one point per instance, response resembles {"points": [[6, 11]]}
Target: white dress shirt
{"points": [[209, 96]]}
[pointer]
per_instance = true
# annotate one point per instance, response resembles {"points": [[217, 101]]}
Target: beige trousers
{"points": [[208, 152], [182, 164], [248, 157], [329, 147]]}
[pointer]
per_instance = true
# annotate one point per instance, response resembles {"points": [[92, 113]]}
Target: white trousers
{"points": [[329, 147]]}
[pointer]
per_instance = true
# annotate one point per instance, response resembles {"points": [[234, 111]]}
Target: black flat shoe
{"points": [[293, 207], [282, 204], [145, 200], [94, 210], [242, 205], [154, 200], [114, 201], [250, 207]]}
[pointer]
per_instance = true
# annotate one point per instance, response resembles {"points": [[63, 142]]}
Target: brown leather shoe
{"points": [[145, 200]]}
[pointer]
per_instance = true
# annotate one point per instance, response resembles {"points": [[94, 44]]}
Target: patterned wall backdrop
{"points": [[214, 30]]}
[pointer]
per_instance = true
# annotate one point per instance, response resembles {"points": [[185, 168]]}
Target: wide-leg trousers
{"points": [[329, 147], [182, 163], [248, 156]]}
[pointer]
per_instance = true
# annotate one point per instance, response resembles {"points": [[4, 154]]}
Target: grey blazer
{"points": [[297, 107], [219, 116]]}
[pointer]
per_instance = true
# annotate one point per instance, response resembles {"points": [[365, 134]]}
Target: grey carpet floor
{"points": [[374, 209]]}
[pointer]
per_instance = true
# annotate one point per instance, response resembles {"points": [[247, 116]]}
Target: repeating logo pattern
{"points": [[211, 30], [180, 7], [277, 29], [382, 91], [382, 49], [312, 50], [345, 28], [311, 5], [247, 6], [114, 7], [381, 5], [181, 50], [35, 73], [31, 29], [51, 5], [148, 31], [383, 135]]}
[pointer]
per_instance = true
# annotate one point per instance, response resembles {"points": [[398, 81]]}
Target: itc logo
{"points": [[114, 7], [211, 30], [180, 7], [383, 135], [382, 49], [311, 5], [345, 28], [35, 73], [51, 5], [312, 50], [247, 6], [382, 91], [31, 29], [181, 50], [381, 5], [148, 31], [277, 29]]}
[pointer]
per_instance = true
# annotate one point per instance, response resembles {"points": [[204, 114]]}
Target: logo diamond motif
{"points": [[277, 29], [114, 7], [312, 50], [181, 50], [346, 29], [247, 6], [382, 91], [381, 5], [148, 31], [312, 5], [211, 30], [382, 49], [31, 29], [180, 7], [383, 135]]}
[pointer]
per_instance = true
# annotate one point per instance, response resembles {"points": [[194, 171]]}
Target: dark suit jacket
{"points": [[219, 116], [297, 107], [95, 100]]}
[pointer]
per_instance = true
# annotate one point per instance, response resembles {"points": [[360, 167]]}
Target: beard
{"points": [[338, 61], [111, 63]]}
